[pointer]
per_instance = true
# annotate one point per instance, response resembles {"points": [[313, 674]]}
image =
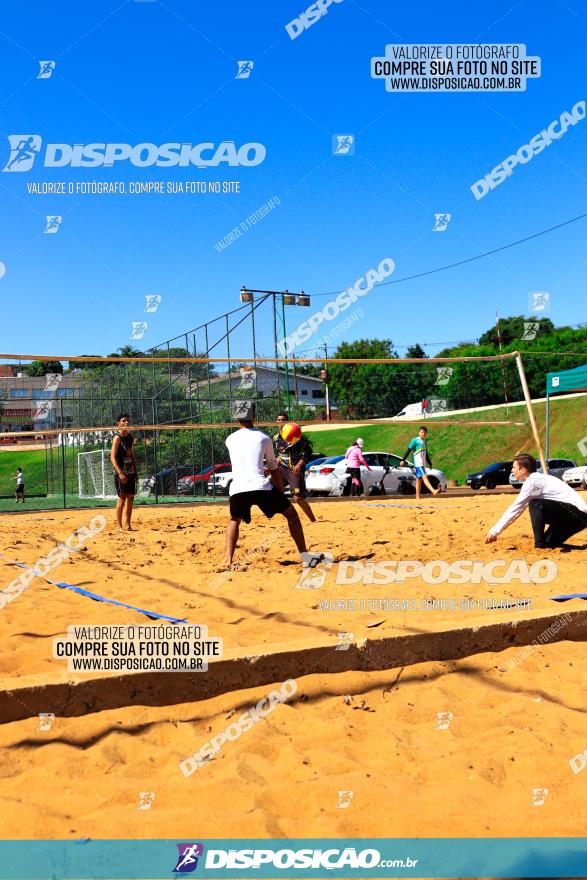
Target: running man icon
{"points": [[24, 148]]}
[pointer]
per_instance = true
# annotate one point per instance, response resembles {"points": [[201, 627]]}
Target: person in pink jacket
{"points": [[354, 460]]}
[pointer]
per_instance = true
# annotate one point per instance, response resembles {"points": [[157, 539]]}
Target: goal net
{"points": [[95, 475]]}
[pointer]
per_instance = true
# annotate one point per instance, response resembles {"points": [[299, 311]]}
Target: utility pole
{"points": [[324, 375]]}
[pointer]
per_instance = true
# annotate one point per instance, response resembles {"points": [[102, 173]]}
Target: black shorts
{"points": [[20, 489], [270, 501], [295, 481], [128, 488]]}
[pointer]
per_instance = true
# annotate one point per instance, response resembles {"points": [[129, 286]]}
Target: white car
{"points": [[219, 484], [576, 476], [331, 477]]}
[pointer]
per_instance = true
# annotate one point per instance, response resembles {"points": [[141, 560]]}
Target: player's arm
{"points": [[406, 455], [514, 510], [428, 459], [272, 464], [305, 453], [113, 451]]}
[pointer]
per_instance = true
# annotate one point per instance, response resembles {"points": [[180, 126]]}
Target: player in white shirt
{"points": [[251, 453], [550, 502]]}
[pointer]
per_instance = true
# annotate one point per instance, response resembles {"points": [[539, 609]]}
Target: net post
{"points": [[528, 400]]}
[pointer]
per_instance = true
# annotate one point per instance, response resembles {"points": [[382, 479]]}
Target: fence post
{"points": [[63, 470]]}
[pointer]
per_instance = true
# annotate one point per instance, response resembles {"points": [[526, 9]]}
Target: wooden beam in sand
{"points": [[241, 670]]}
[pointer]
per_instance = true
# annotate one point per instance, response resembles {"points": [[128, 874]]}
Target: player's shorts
{"points": [[270, 502], [128, 488], [420, 471], [20, 489], [295, 481]]}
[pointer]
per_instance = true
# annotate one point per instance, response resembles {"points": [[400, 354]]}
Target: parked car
{"points": [[219, 484], [411, 411], [556, 468], [167, 480], [576, 476], [197, 484], [331, 477], [497, 474]]}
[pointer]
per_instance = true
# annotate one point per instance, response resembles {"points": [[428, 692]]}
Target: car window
{"points": [[391, 461], [566, 462], [372, 459]]}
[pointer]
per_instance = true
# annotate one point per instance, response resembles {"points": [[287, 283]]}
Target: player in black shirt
{"points": [[124, 463], [293, 458]]}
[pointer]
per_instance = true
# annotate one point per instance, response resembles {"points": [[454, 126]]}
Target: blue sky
{"points": [[135, 72]]}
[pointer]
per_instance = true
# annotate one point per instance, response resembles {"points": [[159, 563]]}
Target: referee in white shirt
{"points": [[550, 502], [251, 452]]}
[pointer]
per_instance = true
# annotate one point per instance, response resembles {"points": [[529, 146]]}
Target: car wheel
{"points": [[475, 486], [490, 484]]}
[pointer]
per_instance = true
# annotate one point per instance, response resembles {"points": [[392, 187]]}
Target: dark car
{"points": [[167, 479], [497, 474]]}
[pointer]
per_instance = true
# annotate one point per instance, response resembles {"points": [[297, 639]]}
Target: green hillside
{"points": [[459, 450]]}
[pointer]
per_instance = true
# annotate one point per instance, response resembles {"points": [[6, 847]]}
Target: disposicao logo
{"points": [[188, 855], [24, 149]]}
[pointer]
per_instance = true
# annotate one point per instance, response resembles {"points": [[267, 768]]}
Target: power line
{"points": [[504, 247]]}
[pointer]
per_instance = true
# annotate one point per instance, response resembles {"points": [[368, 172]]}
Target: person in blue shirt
{"points": [[419, 450]]}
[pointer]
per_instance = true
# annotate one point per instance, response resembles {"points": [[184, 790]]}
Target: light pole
{"points": [[287, 299]]}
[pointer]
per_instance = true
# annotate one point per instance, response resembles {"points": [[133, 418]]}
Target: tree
{"points": [[41, 368], [415, 351], [513, 328]]}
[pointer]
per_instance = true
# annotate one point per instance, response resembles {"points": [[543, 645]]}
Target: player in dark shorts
{"points": [[251, 455], [122, 456], [293, 458]]}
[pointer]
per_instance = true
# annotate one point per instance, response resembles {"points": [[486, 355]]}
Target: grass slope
{"points": [[458, 450]]}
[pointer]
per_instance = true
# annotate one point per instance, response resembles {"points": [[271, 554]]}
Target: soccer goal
{"points": [[95, 475]]}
